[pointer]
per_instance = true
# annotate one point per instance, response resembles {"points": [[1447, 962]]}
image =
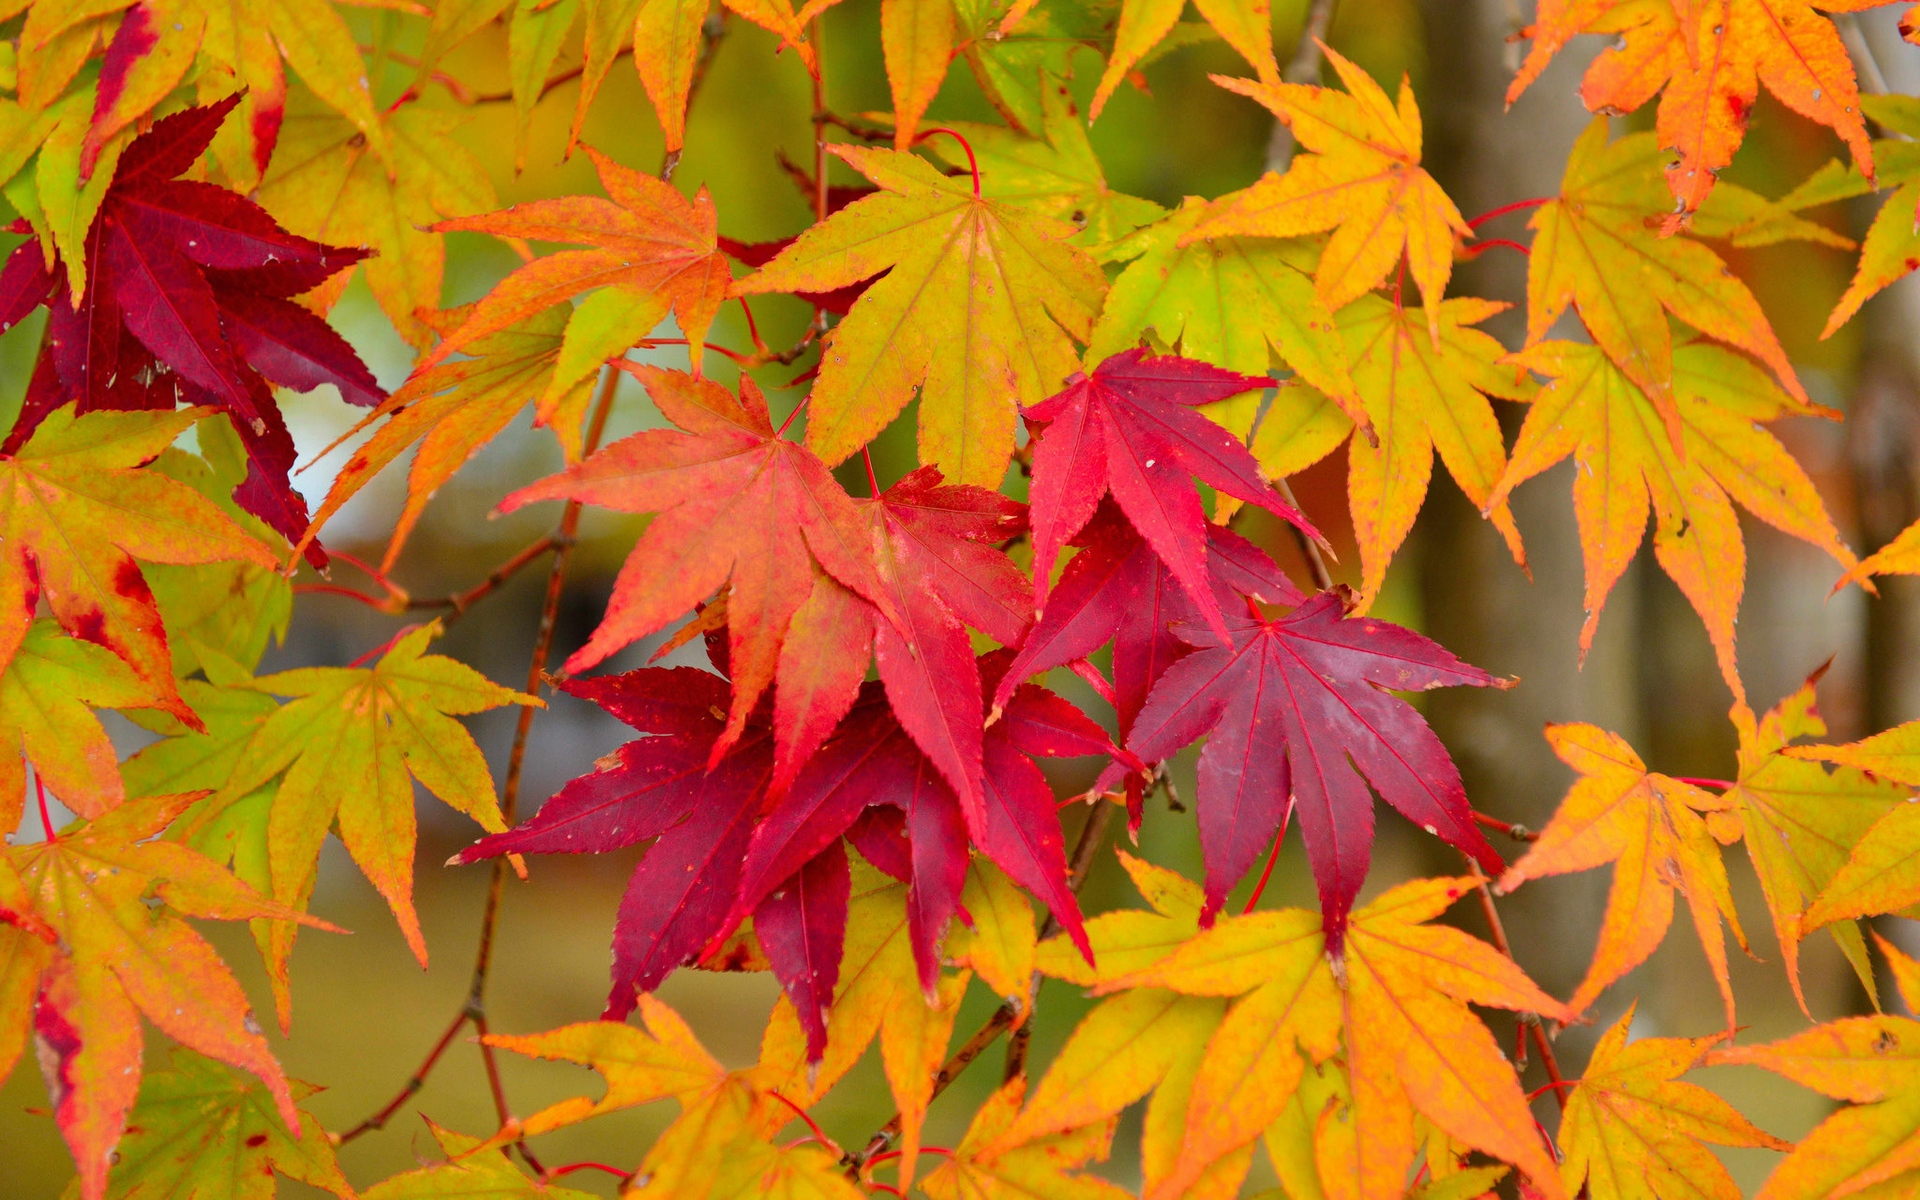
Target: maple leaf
{"points": [[1411, 1044], [1233, 302], [980, 1168], [1246, 25], [653, 252], [202, 1131], [1871, 1147], [1651, 827], [1633, 1130], [1800, 822], [47, 697], [1126, 941], [118, 957], [1878, 875], [1711, 59], [1126, 430], [641, 1066], [1421, 398], [467, 1175], [1362, 179], [1594, 411], [738, 503], [228, 610], [453, 409], [1320, 680], [344, 750], [157, 42], [1117, 589], [183, 295], [701, 806], [872, 761], [326, 183], [1888, 250], [976, 309], [1592, 248], [1054, 173], [78, 511]]}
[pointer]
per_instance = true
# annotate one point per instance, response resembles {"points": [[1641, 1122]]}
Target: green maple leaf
{"points": [[202, 1131], [979, 310]]}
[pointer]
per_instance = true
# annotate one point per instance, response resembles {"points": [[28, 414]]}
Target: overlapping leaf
{"points": [[1362, 179], [115, 956], [1887, 252], [200, 1131], [1707, 62], [1801, 822], [740, 505], [1871, 1147], [652, 251], [1651, 827], [347, 751], [1633, 1130], [183, 294], [1879, 874], [1129, 430], [1593, 249], [1689, 473], [454, 408], [979, 309], [47, 696], [75, 513], [1232, 302], [1246, 25], [467, 1175], [1411, 1044], [1301, 719], [325, 182]]}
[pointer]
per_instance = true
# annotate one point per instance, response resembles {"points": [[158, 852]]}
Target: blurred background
{"points": [[365, 1013]]}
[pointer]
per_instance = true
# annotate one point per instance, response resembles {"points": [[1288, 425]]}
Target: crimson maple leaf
{"points": [[1130, 429], [184, 295], [1117, 589], [1301, 717], [670, 786]]}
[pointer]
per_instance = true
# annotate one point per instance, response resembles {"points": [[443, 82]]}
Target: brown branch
{"points": [[1092, 834], [414, 1083], [1304, 68], [1310, 549], [460, 602], [1531, 1021]]}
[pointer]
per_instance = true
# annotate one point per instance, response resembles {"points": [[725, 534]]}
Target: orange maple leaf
{"points": [[1710, 56], [115, 956], [1363, 181], [1651, 828], [652, 251]]}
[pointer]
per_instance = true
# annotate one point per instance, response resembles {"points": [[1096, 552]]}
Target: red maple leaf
{"points": [[1302, 717], [186, 297], [1117, 589], [1130, 429], [719, 859]]}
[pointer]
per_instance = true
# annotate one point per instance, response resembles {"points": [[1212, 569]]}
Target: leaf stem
{"points": [[1486, 244], [873, 483], [570, 1168], [1519, 833], [1718, 785], [1498, 932], [1316, 562], [1273, 856], [383, 647], [782, 431], [818, 1134], [40, 795], [973, 164], [1494, 214]]}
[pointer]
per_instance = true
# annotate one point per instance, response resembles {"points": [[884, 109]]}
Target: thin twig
{"points": [[1316, 562], [1092, 834], [460, 602], [1498, 932], [1305, 68], [414, 1083], [1514, 830]]}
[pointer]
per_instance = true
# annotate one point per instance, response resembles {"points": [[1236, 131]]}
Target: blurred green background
{"points": [[365, 1013]]}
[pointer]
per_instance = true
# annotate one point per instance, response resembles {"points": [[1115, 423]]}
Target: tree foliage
{"points": [[854, 787]]}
